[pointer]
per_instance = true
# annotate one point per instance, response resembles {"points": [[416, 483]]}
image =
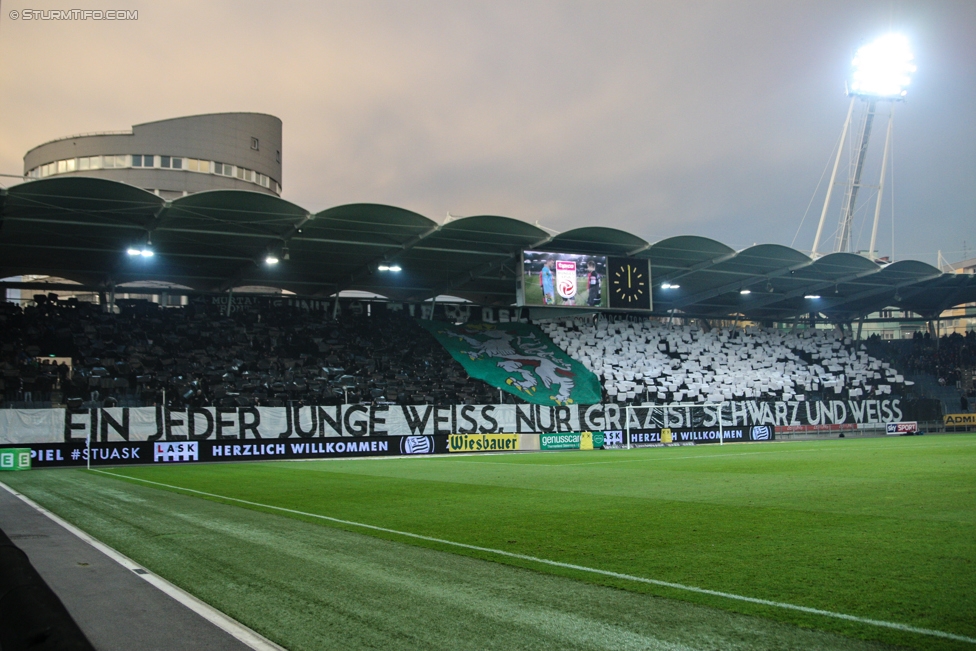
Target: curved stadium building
{"points": [[173, 158]]}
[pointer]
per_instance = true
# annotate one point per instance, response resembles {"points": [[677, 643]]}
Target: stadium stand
{"points": [[248, 359], [184, 357], [647, 360]]}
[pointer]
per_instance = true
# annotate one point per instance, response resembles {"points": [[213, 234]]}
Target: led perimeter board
{"points": [[598, 282]]}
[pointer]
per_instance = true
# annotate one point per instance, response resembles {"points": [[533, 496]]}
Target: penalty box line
{"points": [[570, 566]]}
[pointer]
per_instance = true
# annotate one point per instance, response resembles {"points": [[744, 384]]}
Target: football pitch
{"points": [[836, 544]]}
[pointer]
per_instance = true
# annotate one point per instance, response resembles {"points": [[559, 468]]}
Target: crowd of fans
{"points": [[647, 360], [188, 356], [947, 358]]}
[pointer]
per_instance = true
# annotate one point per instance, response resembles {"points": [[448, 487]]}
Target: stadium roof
{"points": [[80, 228]]}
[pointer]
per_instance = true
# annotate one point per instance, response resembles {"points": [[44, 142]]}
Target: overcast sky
{"points": [[661, 118]]}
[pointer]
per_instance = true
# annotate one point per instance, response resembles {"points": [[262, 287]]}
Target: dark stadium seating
{"points": [[275, 359], [187, 357]]}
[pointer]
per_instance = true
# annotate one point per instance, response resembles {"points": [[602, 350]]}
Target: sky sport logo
{"points": [[74, 14], [417, 445], [176, 452]]}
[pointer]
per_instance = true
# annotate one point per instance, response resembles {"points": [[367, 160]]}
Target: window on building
{"points": [[254, 143], [70, 164], [164, 161], [278, 155], [110, 162], [177, 163]]}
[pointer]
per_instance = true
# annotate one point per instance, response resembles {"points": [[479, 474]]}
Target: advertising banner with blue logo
{"points": [[45, 455], [668, 436]]}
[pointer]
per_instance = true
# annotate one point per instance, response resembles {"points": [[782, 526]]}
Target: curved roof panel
{"points": [[599, 240], [79, 229]]}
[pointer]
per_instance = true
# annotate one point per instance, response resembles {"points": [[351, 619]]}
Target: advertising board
{"points": [[483, 442], [959, 421], [15, 459], [670, 436], [571, 441], [160, 452], [903, 428]]}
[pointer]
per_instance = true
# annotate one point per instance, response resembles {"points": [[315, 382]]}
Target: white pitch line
{"points": [[544, 561], [247, 636]]}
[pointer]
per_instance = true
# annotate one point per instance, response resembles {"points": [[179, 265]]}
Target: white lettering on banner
{"points": [[248, 450], [97, 454], [257, 424]]}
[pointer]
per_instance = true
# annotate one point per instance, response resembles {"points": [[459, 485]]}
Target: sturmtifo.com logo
{"points": [[417, 445], [73, 14]]}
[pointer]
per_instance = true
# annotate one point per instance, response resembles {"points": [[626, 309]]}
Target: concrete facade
{"points": [[240, 151]]}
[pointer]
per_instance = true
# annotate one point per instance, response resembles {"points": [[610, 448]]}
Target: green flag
{"points": [[520, 359]]}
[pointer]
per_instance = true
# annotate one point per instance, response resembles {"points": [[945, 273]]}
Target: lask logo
{"points": [[613, 437], [417, 444], [760, 433], [176, 451]]}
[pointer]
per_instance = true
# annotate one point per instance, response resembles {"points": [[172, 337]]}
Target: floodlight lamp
{"points": [[745, 291], [132, 251], [147, 253], [812, 296], [271, 260], [882, 69], [394, 268], [669, 286]]}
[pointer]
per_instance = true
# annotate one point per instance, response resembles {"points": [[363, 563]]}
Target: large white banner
{"points": [[218, 423]]}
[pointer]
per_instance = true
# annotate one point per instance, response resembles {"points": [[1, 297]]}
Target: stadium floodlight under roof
{"points": [[883, 69]]}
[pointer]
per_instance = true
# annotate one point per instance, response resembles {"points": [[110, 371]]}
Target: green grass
{"points": [[877, 528]]}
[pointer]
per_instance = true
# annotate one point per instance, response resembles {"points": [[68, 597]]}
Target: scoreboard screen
{"points": [[549, 279]]}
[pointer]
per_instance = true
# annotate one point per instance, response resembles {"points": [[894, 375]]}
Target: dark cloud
{"points": [[664, 118]]}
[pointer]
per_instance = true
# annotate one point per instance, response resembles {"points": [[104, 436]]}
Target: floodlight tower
{"points": [[881, 73]]}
